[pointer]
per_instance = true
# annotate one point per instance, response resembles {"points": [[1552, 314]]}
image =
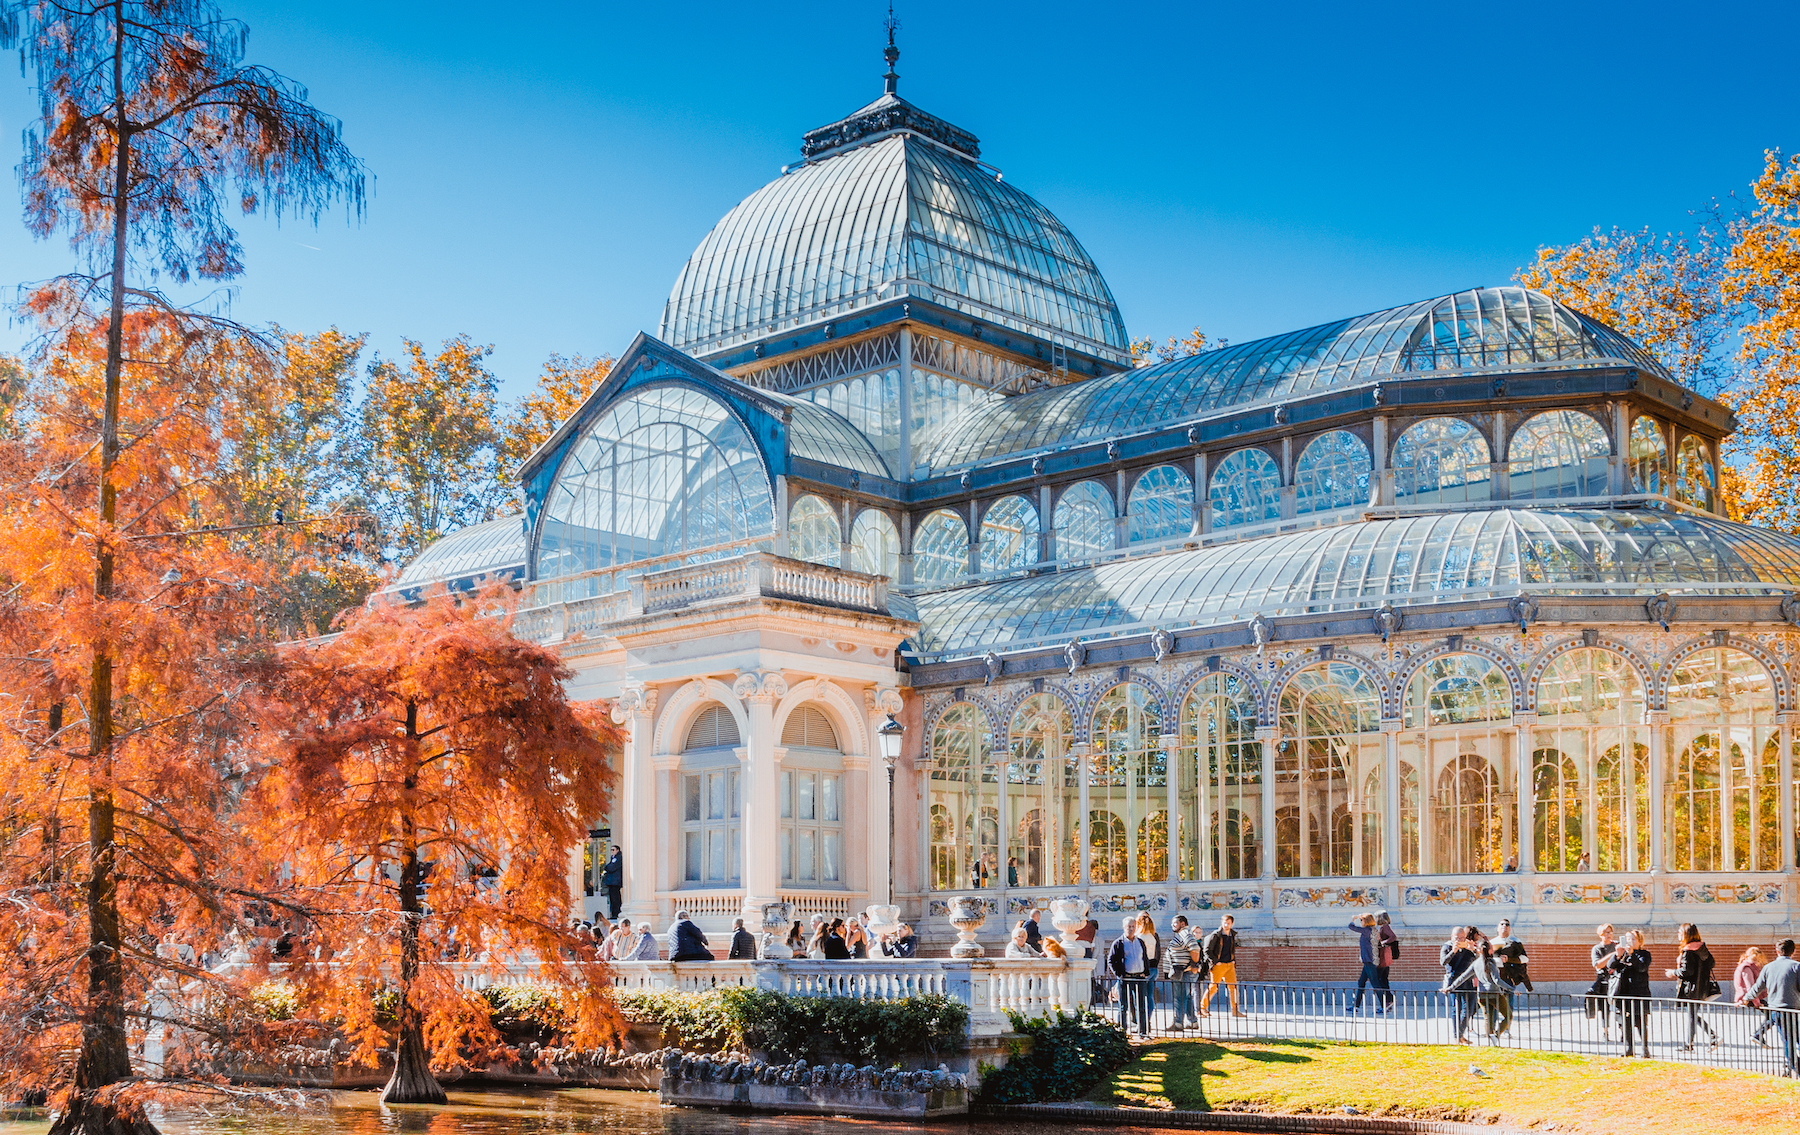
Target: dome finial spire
{"points": [[892, 54]]}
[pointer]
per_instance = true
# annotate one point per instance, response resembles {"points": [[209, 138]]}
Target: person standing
{"points": [[1184, 965], [1597, 999], [1387, 951], [1511, 955], [1368, 948], [836, 950], [1694, 982], [1012, 870], [1220, 948], [1494, 990], [612, 881], [1153, 962], [1458, 957], [1748, 968], [1125, 961], [1778, 987], [743, 943], [1629, 989], [856, 938], [1090, 930]]}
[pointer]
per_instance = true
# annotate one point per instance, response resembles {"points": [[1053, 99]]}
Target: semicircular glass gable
{"points": [[667, 474]]}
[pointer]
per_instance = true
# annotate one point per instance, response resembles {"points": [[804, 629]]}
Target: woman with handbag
{"points": [[1695, 982], [1597, 1000], [1629, 988]]}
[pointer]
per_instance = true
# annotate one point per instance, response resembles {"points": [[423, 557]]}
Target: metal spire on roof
{"points": [[892, 54]]}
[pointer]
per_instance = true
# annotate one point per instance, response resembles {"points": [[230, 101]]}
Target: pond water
{"points": [[544, 1112]]}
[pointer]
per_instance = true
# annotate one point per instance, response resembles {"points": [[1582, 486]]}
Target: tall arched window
{"points": [[1559, 801], [1441, 461], [1107, 848], [664, 471], [813, 532], [1332, 473], [1649, 456], [1455, 710], [940, 549], [1221, 780], [1084, 522], [1694, 481], [1559, 453], [1411, 837], [1009, 535], [711, 802], [1590, 710], [1246, 489], [1724, 758], [1162, 505], [1330, 719], [875, 544], [811, 840], [1043, 794], [1128, 770], [962, 784]]}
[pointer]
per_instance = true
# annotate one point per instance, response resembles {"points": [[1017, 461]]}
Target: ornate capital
{"points": [[760, 686], [888, 701], [1656, 718]]}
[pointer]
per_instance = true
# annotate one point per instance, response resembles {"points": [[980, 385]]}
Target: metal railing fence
{"points": [[1712, 1033]]}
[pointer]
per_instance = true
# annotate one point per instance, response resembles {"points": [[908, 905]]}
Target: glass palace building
{"points": [[1431, 609]]}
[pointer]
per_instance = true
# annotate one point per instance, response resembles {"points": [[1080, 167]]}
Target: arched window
{"points": [[711, 801], [1009, 535], [664, 471], [1694, 481], [1153, 846], [813, 532], [1441, 461], [1221, 778], [940, 549], [1332, 473], [962, 782], [1455, 708], [1590, 709], [1330, 720], [808, 728], [1559, 798], [1246, 489], [875, 544], [1724, 753], [1084, 522], [1649, 456], [1107, 848], [1559, 453], [1043, 794], [1162, 505], [811, 839], [715, 728], [1410, 835], [1128, 769]]}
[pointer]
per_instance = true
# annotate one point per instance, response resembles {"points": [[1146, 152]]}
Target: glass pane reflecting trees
{"points": [[1330, 720], [1456, 710], [813, 532], [1721, 809], [1441, 461], [1590, 765], [1332, 473], [1128, 788], [1694, 481], [1161, 505], [964, 805], [1221, 781], [1560, 453], [1009, 534], [1084, 521], [940, 549], [1043, 794], [1648, 458], [1246, 489], [875, 544]]}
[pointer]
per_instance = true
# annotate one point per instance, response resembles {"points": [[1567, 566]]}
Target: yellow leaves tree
{"points": [[1763, 279], [1145, 350], [560, 391]]}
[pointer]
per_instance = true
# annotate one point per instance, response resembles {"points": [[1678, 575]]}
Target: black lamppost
{"points": [[890, 735]]}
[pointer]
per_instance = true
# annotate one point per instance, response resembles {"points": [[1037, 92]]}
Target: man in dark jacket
{"points": [[1126, 962], [1034, 937], [1511, 954], [686, 942], [903, 943], [1221, 957], [743, 943], [612, 881], [1778, 987]]}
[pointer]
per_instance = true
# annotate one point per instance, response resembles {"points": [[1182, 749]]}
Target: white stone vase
{"points": [[882, 919], [1069, 916], [967, 915], [777, 917]]}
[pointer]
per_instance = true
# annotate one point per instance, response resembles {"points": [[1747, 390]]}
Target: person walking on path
{"points": [[1512, 957], [612, 881], [1597, 1000], [1388, 951], [1458, 957], [1778, 987], [1748, 968], [686, 943], [1368, 948], [1694, 983], [1220, 949], [1629, 989], [1494, 990], [1125, 961], [743, 943], [1184, 970]]}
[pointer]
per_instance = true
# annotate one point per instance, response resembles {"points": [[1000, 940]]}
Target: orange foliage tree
{"points": [[429, 781]]}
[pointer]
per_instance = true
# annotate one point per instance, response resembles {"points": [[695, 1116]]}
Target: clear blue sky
{"points": [[542, 173]]}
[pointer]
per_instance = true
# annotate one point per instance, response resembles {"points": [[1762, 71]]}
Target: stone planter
{"points": [[967, 914]]}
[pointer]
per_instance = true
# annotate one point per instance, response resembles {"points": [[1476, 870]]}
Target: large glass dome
{"points": [[891, 203]]}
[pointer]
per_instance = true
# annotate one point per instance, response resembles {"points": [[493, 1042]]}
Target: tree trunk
{"points": [[412, 1081], [105, 1057]]}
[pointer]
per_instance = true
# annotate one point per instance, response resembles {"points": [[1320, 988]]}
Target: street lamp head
{"points": [[890, 740]]}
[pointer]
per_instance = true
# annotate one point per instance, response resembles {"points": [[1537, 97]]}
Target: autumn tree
{"points": [[427, 787], [1146, 350], [561, 389], [150, 127]]}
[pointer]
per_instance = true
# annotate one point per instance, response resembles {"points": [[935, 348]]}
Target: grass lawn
{"points": [[1517, 1089]]}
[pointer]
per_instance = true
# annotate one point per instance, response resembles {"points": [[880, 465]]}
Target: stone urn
{"points": [[777, 917], [967, 915], [882, 919], [1069, 916]]}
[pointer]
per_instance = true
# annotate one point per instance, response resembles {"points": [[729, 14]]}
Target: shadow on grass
{"points": [[1173, 1074]]}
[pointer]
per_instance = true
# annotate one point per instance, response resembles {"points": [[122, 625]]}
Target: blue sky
{"points": [[542, 176]]}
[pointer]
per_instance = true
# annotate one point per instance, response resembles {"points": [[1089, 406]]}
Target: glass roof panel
{"points": [[494, 548], [1424, 559], [824, 435]]}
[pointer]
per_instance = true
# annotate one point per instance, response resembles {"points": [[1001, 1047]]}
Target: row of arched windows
{"points": [[1438, 461], [1029, 801]]}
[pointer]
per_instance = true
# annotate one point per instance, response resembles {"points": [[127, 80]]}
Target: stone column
{"points": [[664, 812], [1171, 746], [1658, 721], [1527, 808], [1383, 476], [1003, 813], [1121, 511], [781, 515], [1079, 751], [761, 691], [1390, 784], [1046, 544], [638, 829], [847, 520], [1785, 722], [1499, 484], [1202, 513], [1267, 737]]}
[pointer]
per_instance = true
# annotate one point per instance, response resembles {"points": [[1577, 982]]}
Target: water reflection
{"points": [[547, 1112]]}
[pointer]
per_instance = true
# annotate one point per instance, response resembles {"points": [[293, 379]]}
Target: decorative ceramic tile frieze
{"points": [[1724, 892], [1462, 894], [1592, 892], [1114, 904], [1025, 904], [1305, 898], [1221, 900]]}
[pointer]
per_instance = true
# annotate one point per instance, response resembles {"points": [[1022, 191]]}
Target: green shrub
{"points": [[275, 1000], [698, 1022], [525, 1006], [821, 1028], [1070, 1053]]}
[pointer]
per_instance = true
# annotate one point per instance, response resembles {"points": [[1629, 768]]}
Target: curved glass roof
{"points": [[824, 435], [1425, 559], [1487, 328], [495, 548], [897, 216]]}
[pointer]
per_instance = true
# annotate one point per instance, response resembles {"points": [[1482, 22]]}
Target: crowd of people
{"points": [[828, 939]]}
